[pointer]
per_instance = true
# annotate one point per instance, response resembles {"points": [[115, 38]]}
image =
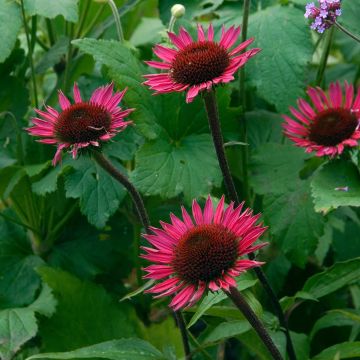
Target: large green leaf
{"points": [[349, 18], [345, 350], [18, 280], [99, 194], [10, 23], [168, 169], [86, 314], [279, 71], [274, 168], [123, 349], [336, 184], [228, 329], [293, 221], [50, 9], [334, 278], [126, 70], [19, 325]]}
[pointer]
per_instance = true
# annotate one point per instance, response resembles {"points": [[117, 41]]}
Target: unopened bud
{"points": [[178, 10]]}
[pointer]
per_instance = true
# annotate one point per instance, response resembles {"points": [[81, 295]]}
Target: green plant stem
{"points": [[324, 56], [11, 219], [83, 18], [94, 20], [30, 54], [50, 31], [347, 32], [143, 216], [254, 321], [68, 60], [172, 23], [117, 20], [214, 124], [243, 127]]}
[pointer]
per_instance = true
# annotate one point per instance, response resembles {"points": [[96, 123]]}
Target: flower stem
{"points": [[117, 20], [182, 327], [347, 32], [123, 180], [30, 53], [324, 57], [254, 321], [142, 213], [214, 124]]}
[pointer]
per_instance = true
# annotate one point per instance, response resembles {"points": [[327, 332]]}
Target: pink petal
{"points": [[63, 101], [77, 95]]}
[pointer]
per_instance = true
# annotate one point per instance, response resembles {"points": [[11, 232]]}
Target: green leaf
{"points": [[126, 70], [86, 314], [293, 222], [123, 349], [16, 327], [279, 71], [99, 194], [334, 278], [168, 169], [336, 318], [10, 23], [19, 325], [147, 32], [336, 184], [50, 9], [274, 168], [349, 17], [212, 299], [18, 280], [345, 350], [228, 329]]}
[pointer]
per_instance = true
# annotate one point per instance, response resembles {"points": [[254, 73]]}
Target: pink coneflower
{"points": [[330, 125], [82, 124], [202, 254], [198, 65]]}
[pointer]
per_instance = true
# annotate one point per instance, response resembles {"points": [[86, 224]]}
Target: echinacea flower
{"points": [[194, 255], [325, 16], [198, 65], [331, 124], [82, 124]]}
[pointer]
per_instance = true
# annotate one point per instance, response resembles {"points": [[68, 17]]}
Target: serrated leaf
{"points": [[334, 278], [345, 350], [10, 23], [293, 222], [279, 71], [123, 349], [99, 194], [18, 280], [168, 169], [126, 70], [336, 184], [274, 168], [16, 327], [85, 314], [50, 8]]}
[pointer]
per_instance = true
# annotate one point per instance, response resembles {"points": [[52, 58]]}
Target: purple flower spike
{"points": [[324, 16]]}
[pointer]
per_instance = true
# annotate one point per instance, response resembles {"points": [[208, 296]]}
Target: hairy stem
{"points": [[182, 327], [254, 321], [324, 57], [143, 216], [214, 124]]}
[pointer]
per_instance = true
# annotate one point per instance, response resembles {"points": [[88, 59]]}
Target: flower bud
{"points": [[178, 10]]}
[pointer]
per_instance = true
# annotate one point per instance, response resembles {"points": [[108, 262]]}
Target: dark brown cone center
{"points": [[82, 122], [199, 62], [332, 126], [204, 253]]}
